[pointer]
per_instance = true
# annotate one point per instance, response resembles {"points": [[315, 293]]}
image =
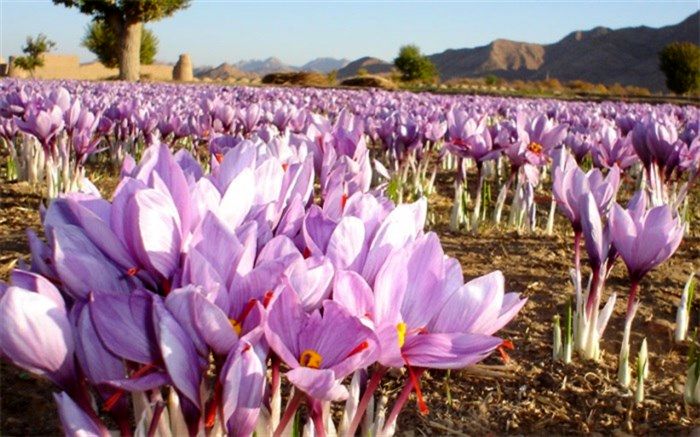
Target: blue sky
{"points": [[214, 31]]}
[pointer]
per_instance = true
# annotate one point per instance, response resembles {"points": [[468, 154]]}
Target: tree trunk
{"points": [[130, 51]]}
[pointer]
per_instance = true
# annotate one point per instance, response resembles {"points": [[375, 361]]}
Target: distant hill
{"points": [[264, 66], [222, 72], [372, 65], [324, 65], [628, 56]]}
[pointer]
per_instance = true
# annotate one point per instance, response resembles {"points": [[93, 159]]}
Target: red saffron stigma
{"points": [[306, 253], [133, 271], [213, 405], [422, 407], [246, 310], [507, 344], [166, 286], [219, 157], [285, 166], [267, 298], [360, 347], [343, 201], [114, 398]]}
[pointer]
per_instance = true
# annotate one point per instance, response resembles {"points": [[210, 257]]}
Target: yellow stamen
{"points": [[310, 358], [236, 326], [401, 333], [535, 147]]}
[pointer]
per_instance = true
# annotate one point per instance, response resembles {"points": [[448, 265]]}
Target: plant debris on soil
{"points": [[528, 394]]}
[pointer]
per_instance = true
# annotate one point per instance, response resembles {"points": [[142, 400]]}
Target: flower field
{"points": [[285, 261]]}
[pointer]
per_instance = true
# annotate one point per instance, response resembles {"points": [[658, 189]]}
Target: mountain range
{"points": [[274, 65], [628, 56], [261, 67]]}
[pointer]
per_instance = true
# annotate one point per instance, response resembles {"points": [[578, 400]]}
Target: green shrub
{"points": [[680, 62], [414, 66]]}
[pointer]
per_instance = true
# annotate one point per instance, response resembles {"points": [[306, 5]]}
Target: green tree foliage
{"points": [[126, 18], [680, 62], [102, 40], [33, 51], [332, 77], [493, 80], [414, 66]]}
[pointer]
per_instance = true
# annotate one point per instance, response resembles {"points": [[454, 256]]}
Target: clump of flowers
{"points": [[190, 295]]}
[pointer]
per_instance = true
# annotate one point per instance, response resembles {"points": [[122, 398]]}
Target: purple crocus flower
{"points": [[539, 136], [424, 316], [435, 130], [570, 183], [320, 349], [644, 240], [410, 289], [474, 142], [45, 125], [579, 144], [613, 149], [35, 334]]}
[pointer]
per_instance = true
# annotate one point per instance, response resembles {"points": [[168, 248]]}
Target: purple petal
{"points": [[311, 279], [178, 353], [36, 335], [285, 320], [74, 254], [473, 308], [98, 364], [448, 351], [155, 224], [237, 199], [124, 324], [74, 420], [213, 325], [320, 384], [346, 247], [352, 291], [33, 282], [243, 379]]}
